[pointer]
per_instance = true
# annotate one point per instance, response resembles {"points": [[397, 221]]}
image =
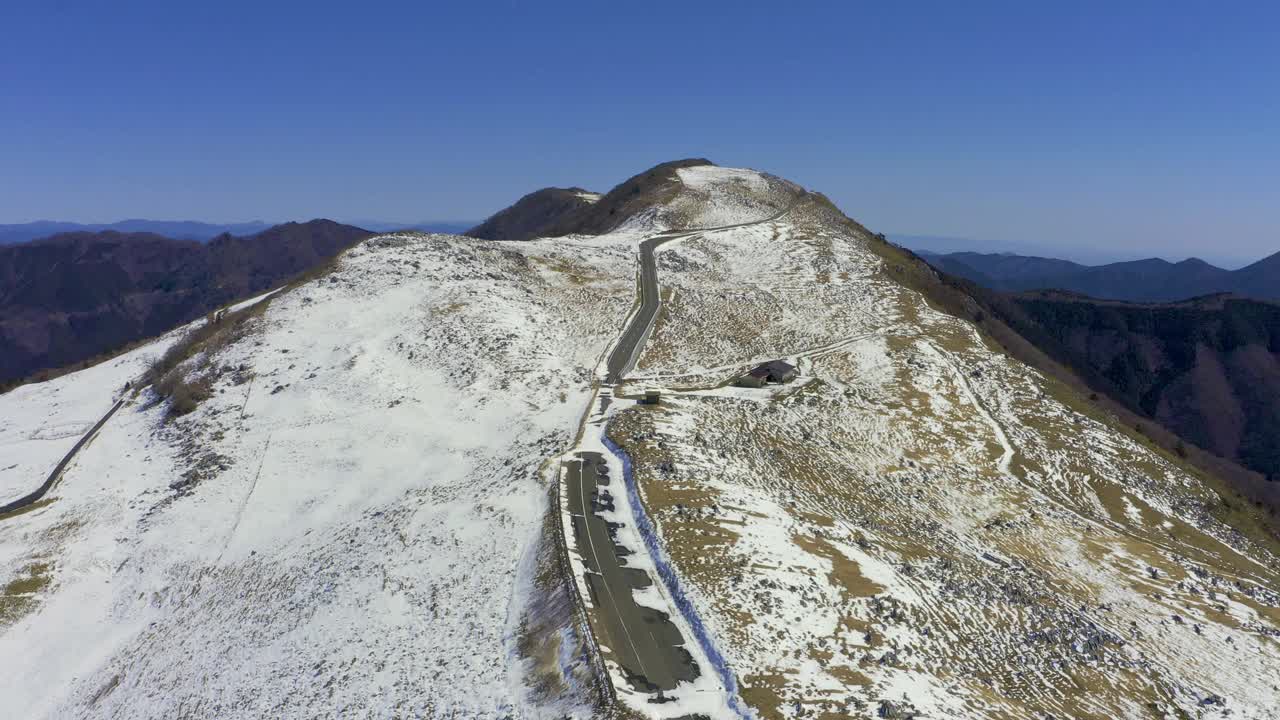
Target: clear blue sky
{"points": [[1152, 128]]}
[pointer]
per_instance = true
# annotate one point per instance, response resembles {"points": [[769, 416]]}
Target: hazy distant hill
{"points": [[178, 229], [195, 230], [72, 296], [1151, 280]]}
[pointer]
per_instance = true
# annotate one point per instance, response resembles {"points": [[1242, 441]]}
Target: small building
{"points": [[651, 397], [779, 371], [775, 371]]}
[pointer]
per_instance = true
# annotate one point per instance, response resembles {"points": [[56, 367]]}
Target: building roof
{"points": [[775, 366]]}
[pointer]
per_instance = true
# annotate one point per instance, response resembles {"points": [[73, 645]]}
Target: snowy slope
{"points": [[714, 196], [368, 488], [39, 423], [920, 522]]}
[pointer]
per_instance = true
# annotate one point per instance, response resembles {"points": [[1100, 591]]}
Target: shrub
{"points": [[175, 383], [186, 396]]}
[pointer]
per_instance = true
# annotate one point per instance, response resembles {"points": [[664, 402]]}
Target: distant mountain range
{"points": [[67, 298], [534, 214], [1082, 254], [945, 244], [176, 229], [1151, 280], [201, 231]]}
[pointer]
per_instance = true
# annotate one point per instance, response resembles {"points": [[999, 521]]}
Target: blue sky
{"points": [[1089, 128]]}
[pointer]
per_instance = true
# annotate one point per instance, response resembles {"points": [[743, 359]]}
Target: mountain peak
{"points": [[1195, 262], [675, 194]]}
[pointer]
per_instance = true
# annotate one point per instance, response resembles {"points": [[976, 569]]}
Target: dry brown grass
{"points": [[184, 384], [20, 596], [184, 395], [452, 308], [551, 619], [1245, 500], [578, 274]]}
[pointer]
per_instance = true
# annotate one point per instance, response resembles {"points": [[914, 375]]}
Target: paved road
{"points": [[635, 335], [35, 495], [644, 641], [628, 348]]}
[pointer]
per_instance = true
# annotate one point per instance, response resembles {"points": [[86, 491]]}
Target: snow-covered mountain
{"points": [[381, 507]]}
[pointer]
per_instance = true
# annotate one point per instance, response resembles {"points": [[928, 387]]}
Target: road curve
{"points": [[627, 351]]}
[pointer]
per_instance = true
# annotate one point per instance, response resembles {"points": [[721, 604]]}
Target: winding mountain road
{"points": [[636, 334], [645, 643]]}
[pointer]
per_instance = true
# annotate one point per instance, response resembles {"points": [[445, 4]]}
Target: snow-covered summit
{"points": [[713, 196], [682, 194]]}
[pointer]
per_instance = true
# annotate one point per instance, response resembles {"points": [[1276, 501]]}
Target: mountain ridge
{"points": [[15, 233], [1145, 280], [533, 215]]}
